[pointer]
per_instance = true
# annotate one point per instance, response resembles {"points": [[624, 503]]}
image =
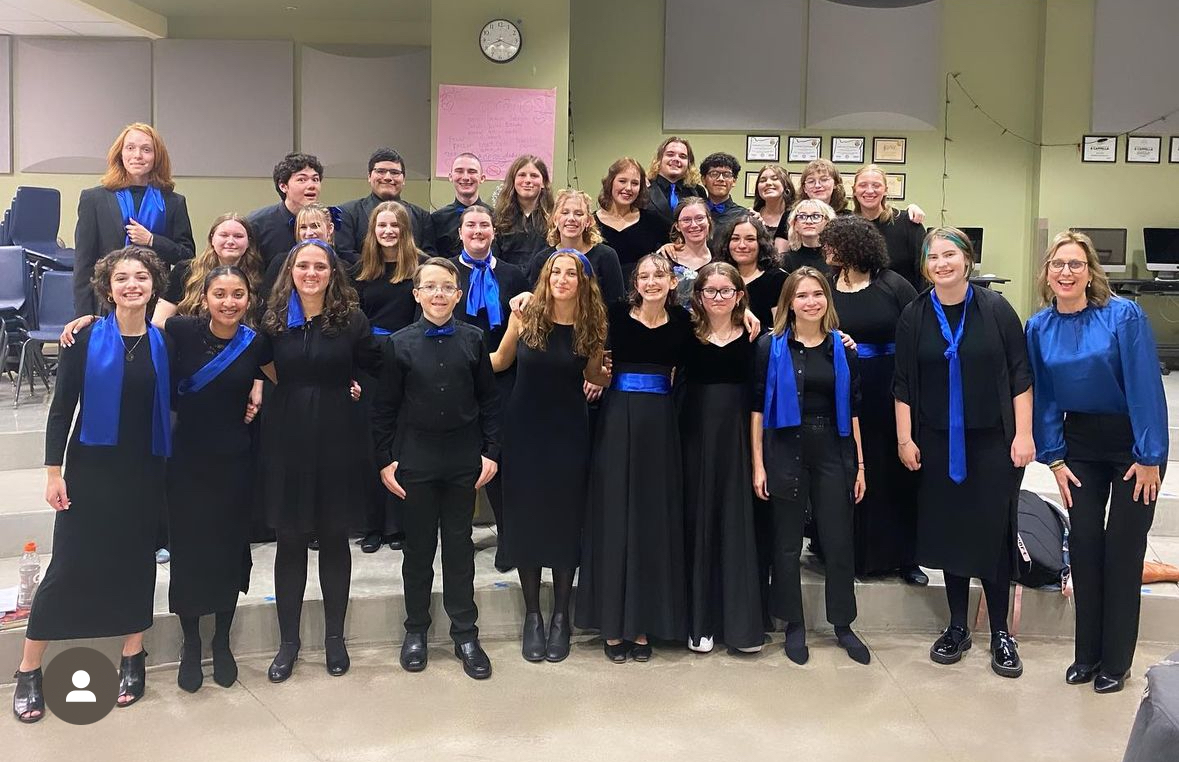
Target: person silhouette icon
{"points": [[80, 679]]}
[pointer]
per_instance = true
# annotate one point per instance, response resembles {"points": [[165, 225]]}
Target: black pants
{"points": [[822, 482], [1106, 553], [430, 505]]}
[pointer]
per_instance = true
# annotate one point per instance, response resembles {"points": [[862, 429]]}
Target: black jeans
{"points": [[822, 482]]}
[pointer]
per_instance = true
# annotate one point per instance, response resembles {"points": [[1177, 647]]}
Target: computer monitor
{"points": [[1162, 251], [976, 240], [1110, 244]]}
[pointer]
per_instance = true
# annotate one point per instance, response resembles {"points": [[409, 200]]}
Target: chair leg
{"points": [[20, 374], [42, 366]]}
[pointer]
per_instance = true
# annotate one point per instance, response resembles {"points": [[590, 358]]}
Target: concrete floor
{"points": [[679, 706]]}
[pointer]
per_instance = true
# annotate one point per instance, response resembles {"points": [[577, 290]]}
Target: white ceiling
{"points": [[60, 18]]}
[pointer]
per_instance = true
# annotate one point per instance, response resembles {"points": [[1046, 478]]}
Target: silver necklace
{"points": [[130, 353]]}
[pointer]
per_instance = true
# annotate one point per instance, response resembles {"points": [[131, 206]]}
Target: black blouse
{"points": [[632, 342], [806, 256], [763, 292], [903, 238], [708, 363], [635, 241], [388, 305]]}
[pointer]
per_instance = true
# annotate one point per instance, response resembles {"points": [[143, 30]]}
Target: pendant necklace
{"points": [[130, 353]]}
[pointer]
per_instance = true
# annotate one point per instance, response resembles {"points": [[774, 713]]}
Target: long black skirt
{"points": [[723, 592], [632, 561], [886, 519], [968, 529]]}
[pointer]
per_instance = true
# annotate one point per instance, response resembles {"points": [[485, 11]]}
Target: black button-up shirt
{"points": [[353, 226], [446, 227], [274, 229]]}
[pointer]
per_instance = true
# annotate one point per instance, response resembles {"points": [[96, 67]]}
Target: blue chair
{"points": [[55, 308], [36, 217], [15, 295], [6, 228]]}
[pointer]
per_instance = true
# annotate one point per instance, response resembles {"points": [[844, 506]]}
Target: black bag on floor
{"points": [[1155, 736], [1043, 542]]}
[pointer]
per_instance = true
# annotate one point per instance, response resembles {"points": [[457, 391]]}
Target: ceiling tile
{"points": [[59, 10], [9, 12], [37, 29]]}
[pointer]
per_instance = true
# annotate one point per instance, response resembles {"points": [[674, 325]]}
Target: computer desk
{"points": [[1132, 288]]}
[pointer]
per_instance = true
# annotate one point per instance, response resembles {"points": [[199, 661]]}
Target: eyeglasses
{"points": [[446, 289], [381, 172], [716, 174], [815, 181], [810, 216], [718, 293], [694, 220], [1073, 265]]}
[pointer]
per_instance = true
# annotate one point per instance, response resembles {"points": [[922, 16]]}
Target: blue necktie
{"points": [[673, 198], [483, 290], [957, 416]]}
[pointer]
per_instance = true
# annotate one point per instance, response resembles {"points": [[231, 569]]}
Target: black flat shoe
{"points": [[28, 697], [533, 638], [1005, 659], [396, 541], [371, 542], [948, 649], [1079, 674], [914, 576], [618, 652], [474, 659], [413, 652], [1104, 683], [284, 663], [190, 677], [337, 655], [224, 665], [557, 648], [132, 678], [641, 652]]}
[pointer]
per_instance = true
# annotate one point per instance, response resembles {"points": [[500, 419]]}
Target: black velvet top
{"points": [[806, 257], [635, 241], [632, 342], [708, 363], [763, 292]]}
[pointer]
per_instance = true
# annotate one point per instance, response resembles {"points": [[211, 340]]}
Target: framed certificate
{"points": [[804, 149], [849, 184], [1099, 149], [888, 150], [796, 180], [762, 147], [1175, 149], [847, 150], [1144, 149], [896, 185], [751, 184]]}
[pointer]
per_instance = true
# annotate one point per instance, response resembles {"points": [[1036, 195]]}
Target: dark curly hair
{"points": [[100, 281], [767, 257], [339, 301], [855, 244]]}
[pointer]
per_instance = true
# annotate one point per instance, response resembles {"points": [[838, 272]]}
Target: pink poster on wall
{"points": [[497, 124]]}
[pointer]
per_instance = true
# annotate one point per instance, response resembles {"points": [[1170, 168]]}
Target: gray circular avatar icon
{"points": [[81, 686]]}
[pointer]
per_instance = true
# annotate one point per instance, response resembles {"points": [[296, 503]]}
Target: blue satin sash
{"points": [[483, 290], [642, 383], [215, 367], [780, 409], [379, 331], [150, 213], [103, 388], [868, 351]]}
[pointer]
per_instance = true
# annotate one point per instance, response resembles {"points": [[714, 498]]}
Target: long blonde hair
{"points": [[589, 323], [204, 263], [784, 314], [1098, 291], [372, 261]]}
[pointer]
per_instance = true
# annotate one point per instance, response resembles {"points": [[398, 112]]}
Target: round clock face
{"points": [[500, 40]]}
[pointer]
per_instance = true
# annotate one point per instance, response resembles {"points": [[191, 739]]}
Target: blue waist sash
{"points": [[215, 367], [867, 351], [379, 331], [643, 383]]}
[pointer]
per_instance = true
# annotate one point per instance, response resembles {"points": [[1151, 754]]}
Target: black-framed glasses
{"points": [[810, 216], [716, 174], [726, 293]]}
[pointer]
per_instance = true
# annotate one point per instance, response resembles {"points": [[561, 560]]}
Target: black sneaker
{"points": [[1005, 655], [949, 647]]}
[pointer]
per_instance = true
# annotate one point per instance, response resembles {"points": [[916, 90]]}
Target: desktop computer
{"points": [[1110, 244], [1162, 252], [976, 240]]}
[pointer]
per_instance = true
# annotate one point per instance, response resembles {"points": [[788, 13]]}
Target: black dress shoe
{"points": [[533, 636], [1079, 674], [617, 652], [396, 541], [557, 648], [1005, 655], [413, 652], [949, 647], [132, 678], [641, 652], [1104, 683], [371, 542], [29, 697], [189, 676], [337, 655], [914, 576], [474, 659], [284, 662]]}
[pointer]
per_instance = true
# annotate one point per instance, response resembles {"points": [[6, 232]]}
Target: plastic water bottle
{"points": [[30, 576]]}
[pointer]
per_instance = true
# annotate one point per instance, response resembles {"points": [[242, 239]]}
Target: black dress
{"points": [[806, 256], [763, 292], [886, 519], [632, 562], [317, 463], [102, 578], [545, 457], [903, 238], [635, 241], [389, 306], [724, 596], [211, 473]]}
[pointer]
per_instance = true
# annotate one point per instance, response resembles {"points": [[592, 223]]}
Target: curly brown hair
{"points": [[589, 323], [339, 301], [100, 281], [856, 244], [606, 197]]}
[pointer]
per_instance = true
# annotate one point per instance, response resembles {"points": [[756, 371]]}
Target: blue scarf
{"points": [[230, 352], [957, 416], [103, 388], [781, 402], [295, 316], [483, 289], [150, 213]]}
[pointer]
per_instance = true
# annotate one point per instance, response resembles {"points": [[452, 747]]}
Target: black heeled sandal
{"points": [[28, 696], [132, 678]]}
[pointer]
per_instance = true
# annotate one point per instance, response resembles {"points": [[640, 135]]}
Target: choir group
{"points": [[662, 398]]}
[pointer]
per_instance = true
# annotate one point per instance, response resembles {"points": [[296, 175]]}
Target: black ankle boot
{"points": [[337, 655], [224, 665], [28, 697], [189, 677], [284, 662], [557, 648], [132, 678], [534, 645]]}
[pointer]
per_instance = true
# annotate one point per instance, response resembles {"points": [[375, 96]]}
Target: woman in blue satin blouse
{"points": [[1101, 426]]}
